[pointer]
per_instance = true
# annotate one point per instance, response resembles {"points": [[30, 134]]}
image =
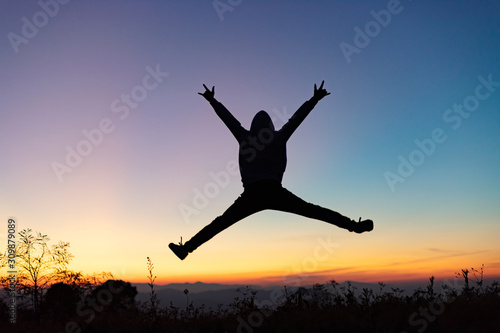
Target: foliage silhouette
{"points": [[154, 302], [99, 304], [325, 307], [38, 265], [59, 301]]}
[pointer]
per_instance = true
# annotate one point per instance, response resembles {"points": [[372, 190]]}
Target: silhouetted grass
{"points": [[111, 307]]}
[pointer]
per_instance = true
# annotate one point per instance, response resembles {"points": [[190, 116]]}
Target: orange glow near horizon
{"points": [[366, 274], [302, 256], [265, 281]]}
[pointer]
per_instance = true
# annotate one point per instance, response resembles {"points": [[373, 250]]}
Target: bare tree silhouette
{"points": [[39, 265]]}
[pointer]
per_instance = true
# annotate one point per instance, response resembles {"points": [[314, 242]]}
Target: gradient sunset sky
{"points": [[409, 136]]}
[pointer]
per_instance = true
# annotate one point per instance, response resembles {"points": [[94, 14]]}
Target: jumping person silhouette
{"points": [[262, 161]]}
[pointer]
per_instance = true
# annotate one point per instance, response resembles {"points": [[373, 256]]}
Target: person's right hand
{"points": [[319, 93], [209, 95]]}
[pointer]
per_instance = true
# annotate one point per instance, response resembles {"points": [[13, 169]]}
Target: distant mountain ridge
{"points": [[196, 287], [212, 294], [209, 294]]}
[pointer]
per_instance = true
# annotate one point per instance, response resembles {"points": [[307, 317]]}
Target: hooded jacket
{"points": [[262, 149]]}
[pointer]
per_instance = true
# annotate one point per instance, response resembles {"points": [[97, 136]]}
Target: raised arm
{"points": [[229, 120], [299, 115]]}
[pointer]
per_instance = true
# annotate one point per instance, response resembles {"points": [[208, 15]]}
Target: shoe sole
{"points": [[174, 249]]}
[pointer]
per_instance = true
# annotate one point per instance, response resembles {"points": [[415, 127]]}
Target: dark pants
{"points": [[260, 196]]}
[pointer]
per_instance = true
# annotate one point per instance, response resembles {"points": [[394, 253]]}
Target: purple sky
{"points": [[101, 68]]}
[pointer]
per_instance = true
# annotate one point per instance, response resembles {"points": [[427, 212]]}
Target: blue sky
{"points": [[260, 55]]}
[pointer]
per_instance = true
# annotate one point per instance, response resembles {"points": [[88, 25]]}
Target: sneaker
{"points": [[179, 250], [361, 226]]}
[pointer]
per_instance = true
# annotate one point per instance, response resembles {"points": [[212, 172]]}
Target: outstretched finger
{"points": [[315, 88], [213, 90], [321, 86], [205, 86]]}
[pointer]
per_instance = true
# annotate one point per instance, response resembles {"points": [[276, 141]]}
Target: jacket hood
{"points": [[261, 121]]}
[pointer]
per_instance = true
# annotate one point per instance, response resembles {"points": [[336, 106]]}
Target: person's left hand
{"points": [[209, 95]]}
